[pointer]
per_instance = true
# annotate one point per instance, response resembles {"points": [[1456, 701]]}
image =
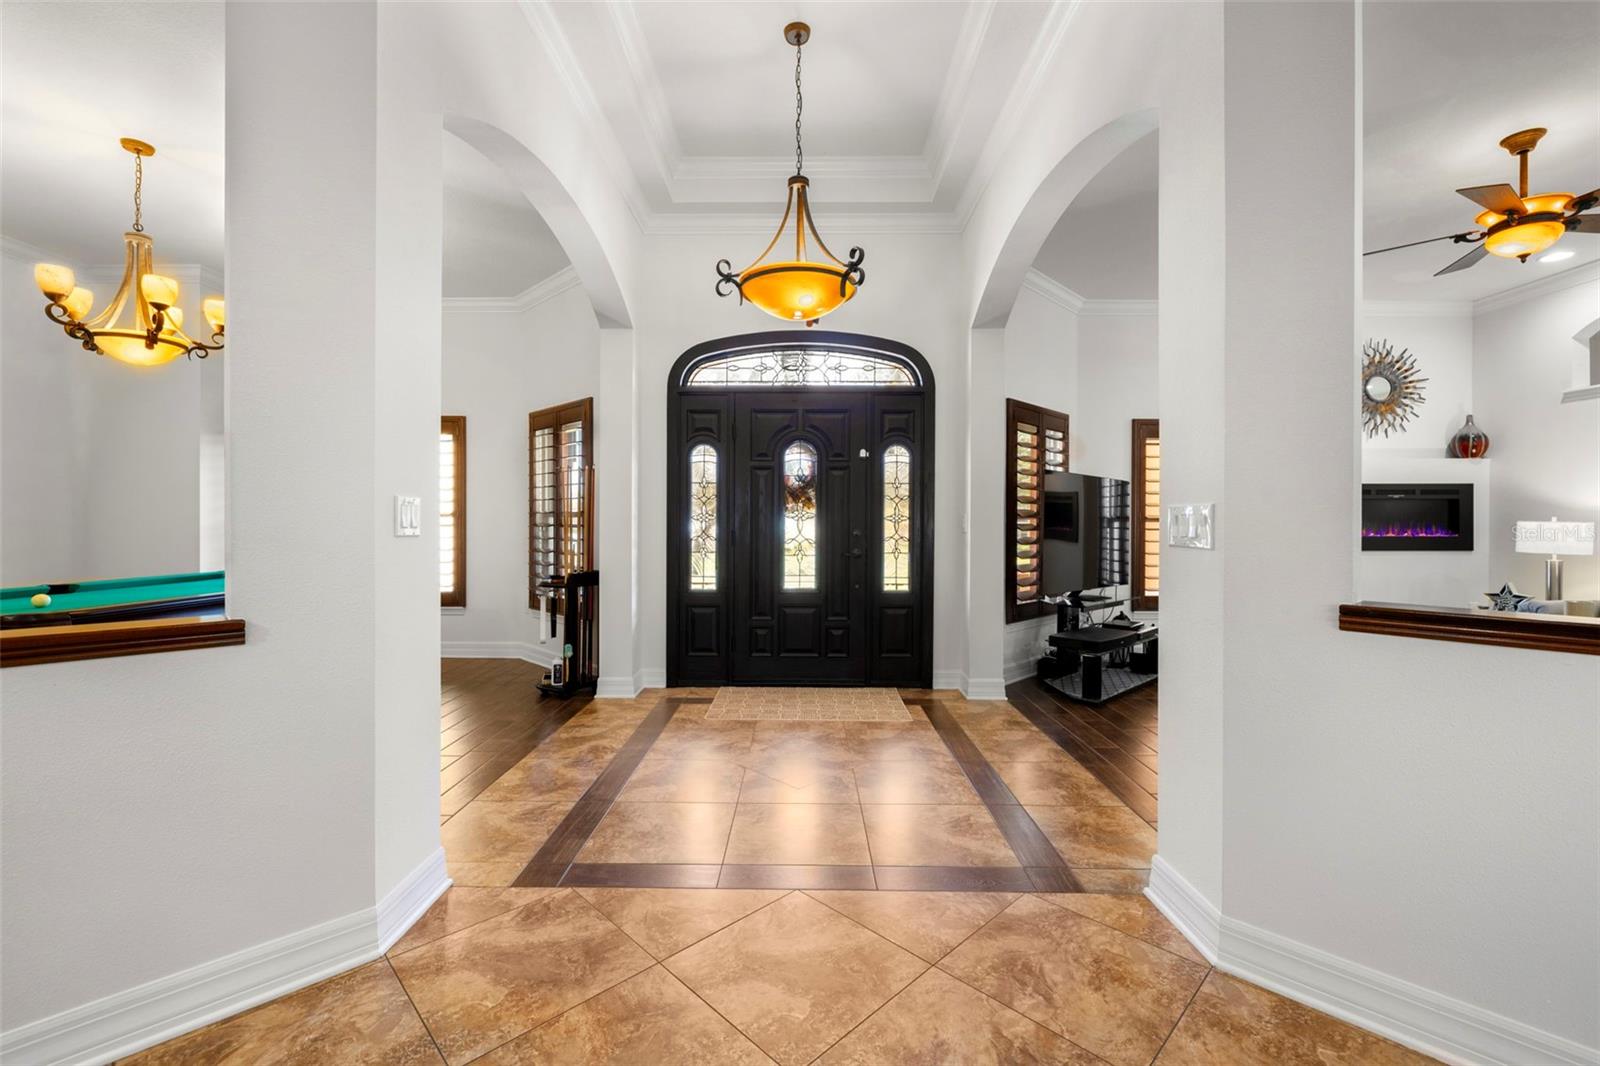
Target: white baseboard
{"points": [[947, 679], [617, 688], [145, 1015], [1447, 1028], [538, 654], [983, 688], [656, 678], [410, 899], [1195, 916]]}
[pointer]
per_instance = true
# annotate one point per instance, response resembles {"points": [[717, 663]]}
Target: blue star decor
{"points": [[1507, 599]]}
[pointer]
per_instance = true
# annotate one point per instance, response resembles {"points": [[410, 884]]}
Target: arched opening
{"points": [[1068, 405], [800, 508]]}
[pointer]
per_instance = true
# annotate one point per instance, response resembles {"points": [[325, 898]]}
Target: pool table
{"points": [[116, 600]]}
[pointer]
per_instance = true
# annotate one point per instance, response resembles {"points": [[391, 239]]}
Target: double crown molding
{"points": [[882, 194]]}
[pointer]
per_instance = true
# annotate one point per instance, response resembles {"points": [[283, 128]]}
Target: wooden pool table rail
{"points": [[65, 643]]}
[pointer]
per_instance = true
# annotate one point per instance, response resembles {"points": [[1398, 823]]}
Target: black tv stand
{"points": [[1093, 664]]}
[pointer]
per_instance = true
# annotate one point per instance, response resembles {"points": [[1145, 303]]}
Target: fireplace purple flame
{"points": [[1408, 531], [1416, 517]]}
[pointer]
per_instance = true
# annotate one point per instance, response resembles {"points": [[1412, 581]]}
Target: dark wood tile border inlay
{"points": [[568, 838], [819, 877], [1028, 842], [954, 879], [641, 875]]}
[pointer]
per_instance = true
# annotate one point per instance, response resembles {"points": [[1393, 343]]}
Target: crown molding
{"points": [[1004, 127], [648, 98], [547, 31], [1043, 285], [1570, 278], [867, 181], [1120, 308], [948, 113], [539, 292], [1049, 288], [31, 253]]}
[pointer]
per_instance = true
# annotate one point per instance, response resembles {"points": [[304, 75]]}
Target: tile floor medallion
{"points": [[733, 703], [736, 876]]}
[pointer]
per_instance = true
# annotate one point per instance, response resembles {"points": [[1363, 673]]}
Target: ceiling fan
{"points": [[1514, 225]]}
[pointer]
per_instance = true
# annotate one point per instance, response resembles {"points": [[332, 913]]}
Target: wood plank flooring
{"points": [[1116, 741], [491, 715]]}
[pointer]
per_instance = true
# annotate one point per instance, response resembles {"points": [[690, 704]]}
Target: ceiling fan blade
{"points": [[1458, 237], [1584, 224], [1586, 201], [1465, 261], [1502, 199]]}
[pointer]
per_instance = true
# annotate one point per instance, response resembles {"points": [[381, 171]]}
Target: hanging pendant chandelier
{"points": [[802, 289], [152, 333]]}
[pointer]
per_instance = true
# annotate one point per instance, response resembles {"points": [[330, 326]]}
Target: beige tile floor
{"points": [[657, 976]]}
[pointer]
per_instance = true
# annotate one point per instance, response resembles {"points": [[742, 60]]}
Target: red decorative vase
{"points": [[1470, 442]]}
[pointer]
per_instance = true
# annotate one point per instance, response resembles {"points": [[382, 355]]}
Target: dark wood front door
{"points": [[799, 494], [800, 538]]}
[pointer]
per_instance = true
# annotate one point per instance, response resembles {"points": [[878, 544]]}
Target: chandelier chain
{"points": [[138, 193], [799, 105]]}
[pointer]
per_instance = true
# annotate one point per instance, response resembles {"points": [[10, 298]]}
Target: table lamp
{"points": [[1558, 539]]}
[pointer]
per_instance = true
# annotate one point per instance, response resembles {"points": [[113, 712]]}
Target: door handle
{"points": [[856, 550]]}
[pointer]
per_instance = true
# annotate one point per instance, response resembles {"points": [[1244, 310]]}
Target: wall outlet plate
{"points": [[1190, 525], [408, 516]]}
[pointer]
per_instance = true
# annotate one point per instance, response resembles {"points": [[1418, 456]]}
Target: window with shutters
{"points": [[453, 511], [560, 491], [1146, 514], [1036, 445]]}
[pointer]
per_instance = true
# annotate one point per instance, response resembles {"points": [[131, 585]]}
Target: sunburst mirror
{"points": [[1391, 388]]}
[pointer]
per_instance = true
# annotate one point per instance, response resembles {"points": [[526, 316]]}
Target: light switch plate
{"points": [[1190, 525], [408, 516]]}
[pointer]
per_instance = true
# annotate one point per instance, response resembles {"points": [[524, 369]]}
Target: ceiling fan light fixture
{"points": [[1524, 239]]}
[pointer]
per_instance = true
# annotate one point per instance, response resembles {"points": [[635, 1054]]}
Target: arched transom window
{"points": [[803, 367]]}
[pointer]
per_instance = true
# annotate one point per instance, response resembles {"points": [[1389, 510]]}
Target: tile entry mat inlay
{"points": [[807, 705]]}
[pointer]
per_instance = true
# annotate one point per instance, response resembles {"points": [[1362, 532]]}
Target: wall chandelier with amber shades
{"points": [[804, 288], [152, 332]]}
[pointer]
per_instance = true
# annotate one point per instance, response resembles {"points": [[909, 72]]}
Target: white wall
{"points": [[1546, 453], [102, 467], [1441, 340], [497, 368]]}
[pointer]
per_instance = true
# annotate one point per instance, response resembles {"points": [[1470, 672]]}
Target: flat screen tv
{"points": [[1088, 529]]}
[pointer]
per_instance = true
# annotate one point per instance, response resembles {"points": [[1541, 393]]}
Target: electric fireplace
{"points": [[1416, 518]]}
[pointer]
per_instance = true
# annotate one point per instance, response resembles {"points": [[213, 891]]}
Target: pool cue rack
{"points": [[578, 654]]}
